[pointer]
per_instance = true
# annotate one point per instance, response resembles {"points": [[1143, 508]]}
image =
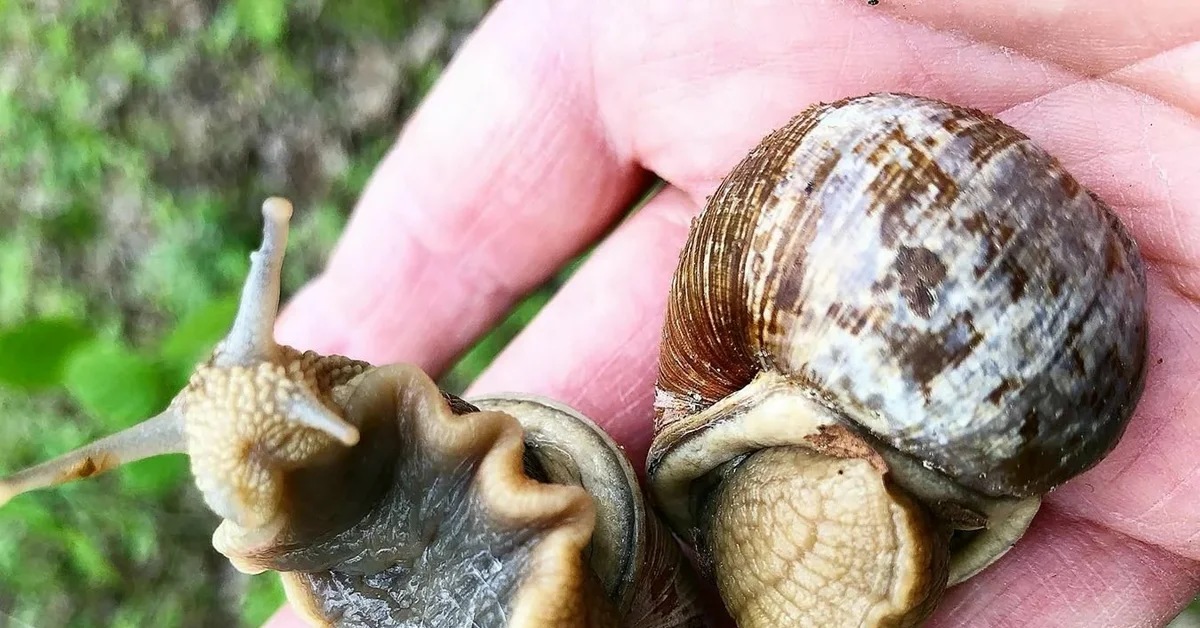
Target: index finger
{"points": [[500, 177]]}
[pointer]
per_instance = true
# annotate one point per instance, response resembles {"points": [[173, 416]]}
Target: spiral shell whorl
{"points": [[932, 276]]}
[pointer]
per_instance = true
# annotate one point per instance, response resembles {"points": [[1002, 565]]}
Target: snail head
{"points": [[250, 413]]}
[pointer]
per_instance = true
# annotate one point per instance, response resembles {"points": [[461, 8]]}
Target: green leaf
{"points": [[75, 223], [155, 478], [91, 10], [126, 56], [33, 354], [90, 559], [428, 76], [58, 41], [29, 512], [197, 334], [114, 384], [75, 100], [383, 19], [141, 537], [222, 30], [262, 20]]}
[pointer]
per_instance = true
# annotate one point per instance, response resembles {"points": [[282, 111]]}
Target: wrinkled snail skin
{"points": [[653, 585], [896, 324], [383, 501]]}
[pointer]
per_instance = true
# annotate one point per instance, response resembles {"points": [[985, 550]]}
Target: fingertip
{"points": [[285, 617], [500, 177]]}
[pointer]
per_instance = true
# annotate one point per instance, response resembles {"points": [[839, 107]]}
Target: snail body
{"points": [[913, 297], [894, 327], [382, 500]]}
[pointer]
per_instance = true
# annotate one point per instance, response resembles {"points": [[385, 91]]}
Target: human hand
{"points": [[555, 116]]}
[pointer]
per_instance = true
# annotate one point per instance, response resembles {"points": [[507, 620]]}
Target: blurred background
{"points": [[137, 140]]}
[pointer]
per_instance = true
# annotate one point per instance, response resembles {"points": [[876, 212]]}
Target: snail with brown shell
{"points": [[895, 326]]}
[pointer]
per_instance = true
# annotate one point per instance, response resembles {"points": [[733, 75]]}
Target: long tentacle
{"points": [[161, 434]]}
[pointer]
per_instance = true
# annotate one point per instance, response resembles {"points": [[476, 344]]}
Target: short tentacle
{"points": [[312, 413]]}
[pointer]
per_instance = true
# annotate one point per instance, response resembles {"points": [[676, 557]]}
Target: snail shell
{"points": [[382, 500], [906, 284]]}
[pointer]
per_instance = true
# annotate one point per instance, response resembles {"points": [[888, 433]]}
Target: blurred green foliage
{"points": [[261, 20], [122, 253], [114, 385]]}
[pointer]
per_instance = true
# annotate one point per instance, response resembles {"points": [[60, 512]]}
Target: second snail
{"points": [[895, 326]]}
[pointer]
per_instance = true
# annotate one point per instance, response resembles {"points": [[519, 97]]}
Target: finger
{"points": [[1072, 573], [1166, 76], [1091, 38], [801, 52], [501, 176], [285, 617], [594, 345], [1132, 149], [690, 112]]}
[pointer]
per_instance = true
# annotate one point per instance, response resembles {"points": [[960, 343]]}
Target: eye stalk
{"points": [[251, 413], [252, 339]]}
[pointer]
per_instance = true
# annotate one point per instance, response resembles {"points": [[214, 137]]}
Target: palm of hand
{"points": [[553, 116]]}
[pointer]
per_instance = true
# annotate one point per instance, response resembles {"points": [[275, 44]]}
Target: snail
{"points": [[894, 327], [382, 500]]}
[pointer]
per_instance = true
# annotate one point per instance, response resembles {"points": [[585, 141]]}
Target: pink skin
{"points": [[555, 114]]}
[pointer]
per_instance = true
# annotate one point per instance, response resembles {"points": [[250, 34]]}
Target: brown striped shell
{"points": [[930, 275]]}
